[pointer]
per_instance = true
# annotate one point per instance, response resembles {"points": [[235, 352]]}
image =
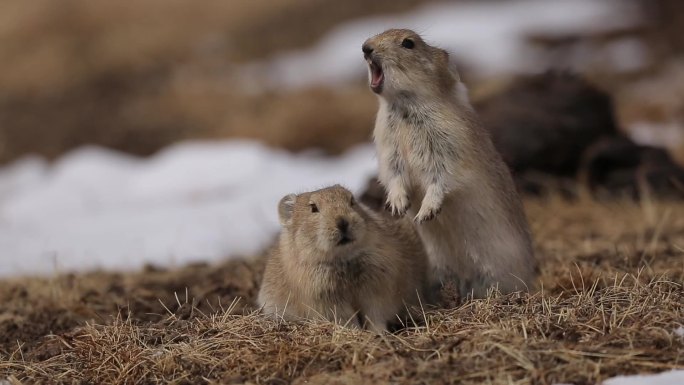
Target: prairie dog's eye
{"points": [[408, 43], [314, 208], [351, 201]]}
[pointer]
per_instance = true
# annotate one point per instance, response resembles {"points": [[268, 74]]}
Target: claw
{"points": [[398, 205], [426, 215], [396, 210]]}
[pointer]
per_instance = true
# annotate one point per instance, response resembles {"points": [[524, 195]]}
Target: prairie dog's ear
{"points": [[444, 56], [444, 59], [285, 209]]}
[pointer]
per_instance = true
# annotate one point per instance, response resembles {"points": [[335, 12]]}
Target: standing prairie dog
{"points": [[338, 260], [439, 165]]}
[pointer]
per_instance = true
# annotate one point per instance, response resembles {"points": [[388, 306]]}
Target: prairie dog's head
{"points": [[400, 60], [326, 220]]}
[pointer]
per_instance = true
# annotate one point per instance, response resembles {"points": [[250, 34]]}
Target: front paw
{"points": [[398, 203], [427, 212], [431, 204]]}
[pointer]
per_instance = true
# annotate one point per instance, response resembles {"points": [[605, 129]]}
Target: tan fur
{"points": [[368, 280], [439, 165]]}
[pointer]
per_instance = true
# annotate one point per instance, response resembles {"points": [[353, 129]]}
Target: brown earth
{"points": [[613, 294]]}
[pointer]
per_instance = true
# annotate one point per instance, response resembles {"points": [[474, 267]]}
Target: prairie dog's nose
{"points": [[342, 224], [367, 50]]}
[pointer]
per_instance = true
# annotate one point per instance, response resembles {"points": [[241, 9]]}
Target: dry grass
{"points": [[580, 337], [612, 296], [138, 75]]}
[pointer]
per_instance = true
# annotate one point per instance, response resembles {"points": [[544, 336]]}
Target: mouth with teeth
{"points": [[377, 77]]}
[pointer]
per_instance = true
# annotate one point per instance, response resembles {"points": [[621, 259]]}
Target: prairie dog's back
{"points": [[337, 259]]}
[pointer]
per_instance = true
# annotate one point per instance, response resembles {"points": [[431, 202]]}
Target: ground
{"points": [[611, 291], [610, 301]]}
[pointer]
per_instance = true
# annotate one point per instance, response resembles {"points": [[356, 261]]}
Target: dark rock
{"points": [[619, 166], [545, 122], [535, 183]]}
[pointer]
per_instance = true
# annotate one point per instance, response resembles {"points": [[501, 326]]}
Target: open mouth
{"points": [[377, 78]]}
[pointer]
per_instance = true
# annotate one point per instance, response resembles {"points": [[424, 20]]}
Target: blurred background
{"points": [[572, 90], [139, 75]]}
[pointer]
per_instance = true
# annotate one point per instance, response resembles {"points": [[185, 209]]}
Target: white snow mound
{"points": [[488, 36], [99, 209], [673, 377]]}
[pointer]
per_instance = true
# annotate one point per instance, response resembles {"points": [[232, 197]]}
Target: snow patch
{"points": [[489, 36], [197, 201], [667, 134], [666, 378], [627, 54], [679, 331]]}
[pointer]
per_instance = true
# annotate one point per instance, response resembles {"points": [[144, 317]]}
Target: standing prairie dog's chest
{"points": [[416, 149], [402, 147], [405, 140]]}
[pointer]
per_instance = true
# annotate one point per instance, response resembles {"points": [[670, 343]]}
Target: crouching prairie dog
{"points": [[439, 165], [338, 260]]}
